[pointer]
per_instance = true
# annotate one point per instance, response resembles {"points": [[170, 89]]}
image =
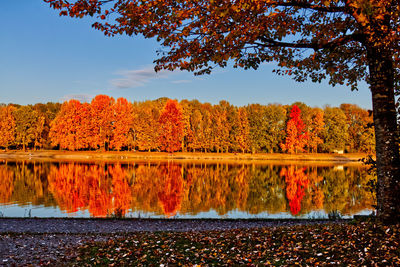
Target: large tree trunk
{"points": [[386, 131]]}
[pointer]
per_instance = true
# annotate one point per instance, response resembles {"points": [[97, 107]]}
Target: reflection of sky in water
{"points": [[38, 211]]}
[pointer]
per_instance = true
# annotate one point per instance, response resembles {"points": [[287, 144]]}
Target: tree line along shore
{"points": [[165, 125]]}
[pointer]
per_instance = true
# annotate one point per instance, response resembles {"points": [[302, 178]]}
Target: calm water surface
{"points": [[182, 190]]}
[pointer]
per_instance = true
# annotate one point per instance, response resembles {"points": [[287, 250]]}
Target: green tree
{"points": [[344, 40], [274, 117], [258, 127], [359, 123], [315, 129], [47, 112], [146, 125], [335, 130], [267, 126], [199, 132], [187, 110], [206, 130], [27, 122]]}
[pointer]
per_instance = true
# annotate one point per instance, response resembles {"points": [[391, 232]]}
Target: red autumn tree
{"points": [[171, 127], [296, 137]]}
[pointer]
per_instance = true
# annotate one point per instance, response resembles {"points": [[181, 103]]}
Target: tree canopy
{"points": [[195, 33], [345, 41]]}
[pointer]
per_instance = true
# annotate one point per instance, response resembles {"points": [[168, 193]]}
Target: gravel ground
{"points": [[35, 242]]}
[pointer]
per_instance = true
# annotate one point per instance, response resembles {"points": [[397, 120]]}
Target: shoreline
{"points": [[130, 225], [52, 155]]}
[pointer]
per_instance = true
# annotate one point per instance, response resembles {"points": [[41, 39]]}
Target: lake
{"points": [[173, 189]]}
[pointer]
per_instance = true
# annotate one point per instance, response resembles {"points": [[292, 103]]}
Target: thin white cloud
{"points": [[81, 97], [137, 78], [181, 81]]}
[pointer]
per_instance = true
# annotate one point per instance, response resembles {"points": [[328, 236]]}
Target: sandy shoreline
{"points": [[353, 158]]}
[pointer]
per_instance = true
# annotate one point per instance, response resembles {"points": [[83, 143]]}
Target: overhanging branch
{"points": [[316, 45], [305, 5]]}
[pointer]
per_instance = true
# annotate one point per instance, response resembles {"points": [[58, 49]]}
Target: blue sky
{"points": [[44, 57]]}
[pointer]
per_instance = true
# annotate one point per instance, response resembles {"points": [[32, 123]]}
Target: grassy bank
{"points": [[181, 156]]}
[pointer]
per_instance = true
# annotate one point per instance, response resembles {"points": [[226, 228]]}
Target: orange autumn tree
{"points": [[171, 127], [101, 121], [7, 126], [123, 119], [69, 129], [296, 137]]}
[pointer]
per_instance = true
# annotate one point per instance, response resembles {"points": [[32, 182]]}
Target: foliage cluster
{"points": [[166, 125]]}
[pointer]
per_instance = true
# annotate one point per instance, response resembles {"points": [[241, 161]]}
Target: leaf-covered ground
{"points": [[358, 244]]}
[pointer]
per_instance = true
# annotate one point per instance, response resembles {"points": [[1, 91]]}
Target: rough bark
{"points": [[386, 131]]}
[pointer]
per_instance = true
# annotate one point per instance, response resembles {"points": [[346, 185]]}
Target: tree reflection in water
{"points": [[79, 187], [6, 183], [121, 189], [171, 188], [296, 183]]}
